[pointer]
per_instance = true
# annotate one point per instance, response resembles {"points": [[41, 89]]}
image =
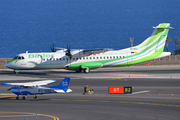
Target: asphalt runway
{"points": [[155, 95]]}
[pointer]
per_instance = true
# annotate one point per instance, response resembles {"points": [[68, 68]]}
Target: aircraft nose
{"points": [[8, 65]]}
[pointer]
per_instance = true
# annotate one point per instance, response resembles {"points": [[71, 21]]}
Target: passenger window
{"points": [[107, 57], [19, 57], [97, 57], [100, 57], [22, 57], [93, 57], [116, 56], [104, 57]]}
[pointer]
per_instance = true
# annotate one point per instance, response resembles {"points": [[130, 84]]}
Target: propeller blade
{"points": [[52, 48], [68, 51], [9, 89]]}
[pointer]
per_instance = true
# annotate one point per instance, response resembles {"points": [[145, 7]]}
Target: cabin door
{"points": [[129, 58]]}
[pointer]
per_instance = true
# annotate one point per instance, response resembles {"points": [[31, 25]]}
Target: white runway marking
{"points": [[7, 94], [139, 92], [14, 77]]}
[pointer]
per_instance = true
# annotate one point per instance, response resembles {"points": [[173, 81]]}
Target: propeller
{"points": [[68, 51], [52, 48], [9, 89]]}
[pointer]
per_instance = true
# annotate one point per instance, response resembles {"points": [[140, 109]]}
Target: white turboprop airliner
{"points": [[87, 60]]}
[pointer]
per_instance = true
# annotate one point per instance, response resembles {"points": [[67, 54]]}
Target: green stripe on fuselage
{"points": [[13, 60], [144, 59], [155, 43], [157, 34]]}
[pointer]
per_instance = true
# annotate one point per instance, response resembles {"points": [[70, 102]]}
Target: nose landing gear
{"points": [[35, 97]]}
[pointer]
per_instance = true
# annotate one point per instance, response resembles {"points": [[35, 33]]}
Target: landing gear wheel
{"points": [[17, 98], [16, 71], [86, 70], [24, 98], [35, 97], [79, 70]]}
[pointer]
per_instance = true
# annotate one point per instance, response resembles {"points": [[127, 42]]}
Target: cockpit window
{"points": [[19, 57], [16, 57]]}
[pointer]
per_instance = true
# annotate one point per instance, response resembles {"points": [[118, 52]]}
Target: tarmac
{"points": [[155, 95]]}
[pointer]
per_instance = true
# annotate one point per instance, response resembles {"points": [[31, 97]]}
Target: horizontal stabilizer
{"points": [[62, 91], [163, 27], [63, 86]]}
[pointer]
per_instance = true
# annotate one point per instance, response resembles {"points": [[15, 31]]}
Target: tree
{"points": [[176, 41], [131, 40], [167, 42]]}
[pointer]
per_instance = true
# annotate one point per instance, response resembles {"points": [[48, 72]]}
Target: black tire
{"points": [[86, 70], [23, 98], [17, 98], [35, 97]]}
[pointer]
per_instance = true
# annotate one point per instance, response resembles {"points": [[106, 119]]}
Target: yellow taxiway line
{"points": [[26, 114]]}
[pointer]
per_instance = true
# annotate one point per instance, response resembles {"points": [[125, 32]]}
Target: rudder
{"points": [[64, 84]]}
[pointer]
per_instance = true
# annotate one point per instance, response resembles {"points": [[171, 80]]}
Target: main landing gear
{"points": [[17, 98], [85, 70], [24, 97]]}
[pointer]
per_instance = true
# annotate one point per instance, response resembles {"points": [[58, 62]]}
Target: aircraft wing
{"points": [[42, 82], [96, 51]]}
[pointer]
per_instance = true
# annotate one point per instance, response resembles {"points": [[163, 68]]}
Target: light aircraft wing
{"points": [[42, 82], [96, 51]]}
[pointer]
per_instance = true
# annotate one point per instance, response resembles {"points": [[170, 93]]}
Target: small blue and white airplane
{"points": [[35, 88]]}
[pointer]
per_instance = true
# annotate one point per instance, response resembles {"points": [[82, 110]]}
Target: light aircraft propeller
{"points": [[9, 89]]}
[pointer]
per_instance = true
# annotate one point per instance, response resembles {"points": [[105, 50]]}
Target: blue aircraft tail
{"points": [[63, 85]]}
